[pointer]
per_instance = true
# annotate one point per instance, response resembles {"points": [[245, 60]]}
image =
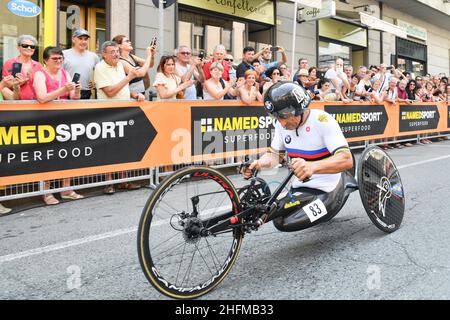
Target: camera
{"points": [[201, 55]]}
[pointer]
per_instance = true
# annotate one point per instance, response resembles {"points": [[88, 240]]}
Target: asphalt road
{"points": [[87, 249]]}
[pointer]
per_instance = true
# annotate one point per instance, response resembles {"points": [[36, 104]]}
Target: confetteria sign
{"points": [[24, 8], [256, 10]]}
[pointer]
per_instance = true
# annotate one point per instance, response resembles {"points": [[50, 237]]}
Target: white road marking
{"points": [[103, 236], [64, 245], [121, 232], [418, 163]]}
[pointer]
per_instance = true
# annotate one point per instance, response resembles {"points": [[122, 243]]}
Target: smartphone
{"points": [[17, 68], [153, 43], [333, 90], [274, 49], [76, 78], [390, 68], [201, 55]]}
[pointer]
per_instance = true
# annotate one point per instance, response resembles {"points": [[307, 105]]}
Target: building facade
{"points": [[53, 21], [422, 47], [413, 34]]}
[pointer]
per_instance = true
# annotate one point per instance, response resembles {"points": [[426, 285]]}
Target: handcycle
{"points": [[192, 226]]}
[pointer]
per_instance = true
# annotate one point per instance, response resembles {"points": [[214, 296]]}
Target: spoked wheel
{"points": [[381, 189], [178, 257]]}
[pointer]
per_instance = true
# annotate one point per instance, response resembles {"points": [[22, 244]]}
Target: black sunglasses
{"points": [[28, 46], [229, 60]]}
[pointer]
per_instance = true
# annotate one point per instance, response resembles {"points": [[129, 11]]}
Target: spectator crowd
{"points": [[119, 74]]}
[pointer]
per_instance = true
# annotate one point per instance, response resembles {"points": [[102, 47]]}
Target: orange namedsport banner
{"points": [[41, 142]]}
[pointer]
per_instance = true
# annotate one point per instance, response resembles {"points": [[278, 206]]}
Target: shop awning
{"points": [[435, 12], [378, 24], [308, 3]]}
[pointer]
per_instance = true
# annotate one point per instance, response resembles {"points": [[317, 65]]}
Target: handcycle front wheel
{"points": [[177, 258]]}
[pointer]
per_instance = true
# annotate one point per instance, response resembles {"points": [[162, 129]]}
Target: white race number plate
{"points": [[315, 210]]}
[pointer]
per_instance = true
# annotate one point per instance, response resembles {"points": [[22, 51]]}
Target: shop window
{"points": [[12, 26], [207, 32], [329, 52], [416, 68], [411, 49], [89, 15], [343, 32]]}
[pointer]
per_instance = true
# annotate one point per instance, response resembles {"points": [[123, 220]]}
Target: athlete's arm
{"points": [[341, 161], [267, 161]]}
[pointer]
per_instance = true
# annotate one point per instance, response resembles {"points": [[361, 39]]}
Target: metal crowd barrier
{"points": [[150, 176]]}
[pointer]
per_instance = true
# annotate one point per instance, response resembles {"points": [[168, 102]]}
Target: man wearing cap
{"points": [[80, 60], [303, 80]]}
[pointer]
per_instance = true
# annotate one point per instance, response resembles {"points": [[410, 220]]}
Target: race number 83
{"points": [[315, 210]]}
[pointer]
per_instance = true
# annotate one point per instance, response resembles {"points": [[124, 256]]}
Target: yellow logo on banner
{"points": [[256, 10], [235, 123]]}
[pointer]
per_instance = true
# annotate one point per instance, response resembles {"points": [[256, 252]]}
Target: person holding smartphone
{"points": [[188, 67], [26, 45], [5, 92], [338, 79], [54, 83], [266, 57], [80, 60], [132, 61]]}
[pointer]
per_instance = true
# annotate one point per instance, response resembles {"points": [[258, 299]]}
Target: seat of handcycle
{"points": [[293, 218]]}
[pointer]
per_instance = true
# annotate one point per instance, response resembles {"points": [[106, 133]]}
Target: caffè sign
{"points": [[256, 10]]}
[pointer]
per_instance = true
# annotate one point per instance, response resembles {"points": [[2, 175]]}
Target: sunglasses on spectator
{"points": [[57, 58], [229, 60], [28, 46]]}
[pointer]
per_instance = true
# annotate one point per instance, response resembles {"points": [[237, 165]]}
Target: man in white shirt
{"points": [[385, 74], [312, 139], [337, 76], [189, 68], [112, 83], [110, 78]]}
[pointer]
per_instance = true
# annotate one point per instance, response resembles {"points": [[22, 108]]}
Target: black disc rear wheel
{"points": [[178, 258], [381, 189]]}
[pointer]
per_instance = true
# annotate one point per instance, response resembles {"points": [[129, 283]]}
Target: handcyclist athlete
{"points": [[311, 138]]}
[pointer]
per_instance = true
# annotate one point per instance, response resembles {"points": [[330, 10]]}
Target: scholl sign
{"points": [[24, 8]]}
